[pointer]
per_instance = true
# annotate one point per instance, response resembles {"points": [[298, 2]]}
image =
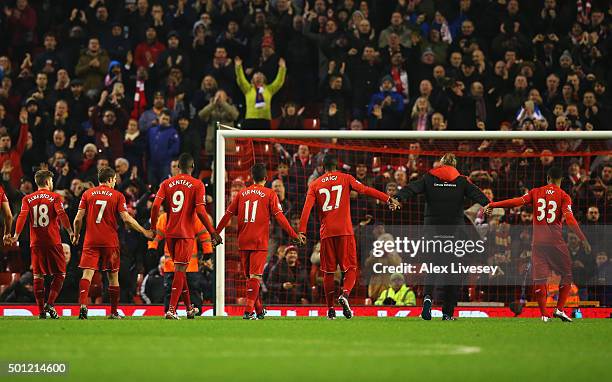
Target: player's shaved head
{"points": [[42, 176], [330, 162], [106, 174], [259, 172], [186, 163], [555, 174]]}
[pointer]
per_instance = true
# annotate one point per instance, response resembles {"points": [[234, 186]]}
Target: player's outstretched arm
{"points": [[78, 224], [155, 213], [308, 204], [572, 224], [63, 217], [8, 219], [413, 188], [132, 223], [369, 191], [232, 210], [203, 216], [21, 220], [508, 203]]}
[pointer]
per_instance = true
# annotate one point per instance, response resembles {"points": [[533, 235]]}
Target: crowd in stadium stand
{"points": [[134, 83]]}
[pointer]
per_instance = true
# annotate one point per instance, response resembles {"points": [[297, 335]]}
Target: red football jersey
{"points": [[331, 192], [254, 206], [180, 195], [102, 205], [43, 208], [550, 203]]}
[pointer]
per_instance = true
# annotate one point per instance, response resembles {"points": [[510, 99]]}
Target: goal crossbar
{"points": [[225, 131]]}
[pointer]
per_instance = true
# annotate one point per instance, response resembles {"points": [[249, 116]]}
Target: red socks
{"points": [[540, 292], [252, 294], [39, 293], [258, 305], [564, 291], [56, 287], [113, 294], [177, 289], [83, 291], [185, 294], [350, 276], [329, 286]]}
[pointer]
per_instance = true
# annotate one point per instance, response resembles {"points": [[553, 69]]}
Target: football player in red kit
{"points": [[101, 205], [549, 250], [331, 192], [254, 206], [45, 212], [184, 197]]}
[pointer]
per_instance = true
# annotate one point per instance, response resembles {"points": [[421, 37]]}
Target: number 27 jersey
{"points": [[180, 195], [102, 205]]}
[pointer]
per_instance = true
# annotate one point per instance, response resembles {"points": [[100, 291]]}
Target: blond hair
{"points": [[449, 159]]}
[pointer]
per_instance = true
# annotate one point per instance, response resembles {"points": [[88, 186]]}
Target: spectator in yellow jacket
{"points": [[258, 95], [398, 293]]}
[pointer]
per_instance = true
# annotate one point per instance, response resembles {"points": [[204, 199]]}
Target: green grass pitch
{"points": [[312, 349]]}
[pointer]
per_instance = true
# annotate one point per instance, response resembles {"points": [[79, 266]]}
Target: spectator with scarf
{"points": [[258, 95]]}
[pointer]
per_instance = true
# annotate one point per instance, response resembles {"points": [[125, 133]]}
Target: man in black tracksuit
{"points": [[445, 191]]}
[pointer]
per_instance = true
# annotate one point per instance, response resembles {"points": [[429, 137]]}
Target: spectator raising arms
{"points": [[258, 95]]}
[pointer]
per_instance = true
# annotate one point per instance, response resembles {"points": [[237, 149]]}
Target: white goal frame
{"points": [[224, 132]]}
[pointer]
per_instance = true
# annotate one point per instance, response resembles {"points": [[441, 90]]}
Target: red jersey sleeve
{"points": [[161, 193], [528, 197], [200, 194], [121, 203], [310, 201], [84, 201], [363, 189], [275, 206], [3, 198]]}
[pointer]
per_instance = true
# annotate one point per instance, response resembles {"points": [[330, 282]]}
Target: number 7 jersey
{"points": [[181, 194], [102, 205]]}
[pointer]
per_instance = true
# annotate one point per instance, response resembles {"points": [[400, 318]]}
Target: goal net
{"points": [[502, 164]]}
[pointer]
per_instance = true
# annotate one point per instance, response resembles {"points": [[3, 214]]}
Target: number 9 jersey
{"points": [[102, 204], [180, 195]]}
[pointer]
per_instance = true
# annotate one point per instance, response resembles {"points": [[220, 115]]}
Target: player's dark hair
{"points": [[41, 177], [186, 163], [330, 162], [105, 174], [259, 172], [555, 173]]}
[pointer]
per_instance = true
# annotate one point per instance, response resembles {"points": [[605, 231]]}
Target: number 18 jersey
{"points": [[180, 195], [550, 204], [102, 205]]}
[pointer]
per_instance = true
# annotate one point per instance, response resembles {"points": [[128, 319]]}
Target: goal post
{"points": [[225, 133]]}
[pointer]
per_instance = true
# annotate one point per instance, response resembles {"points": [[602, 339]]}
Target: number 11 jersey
{"points": [[180, 195], [254, 206]]}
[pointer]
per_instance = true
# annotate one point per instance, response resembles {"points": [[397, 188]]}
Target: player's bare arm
{"points": [[78, 224], [8, 221], [132, 223], [203, 216]]}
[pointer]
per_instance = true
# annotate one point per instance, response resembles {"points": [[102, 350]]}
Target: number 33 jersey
{"points": [[180, 195], [102, 204], [254, 206], [550, 204]]}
